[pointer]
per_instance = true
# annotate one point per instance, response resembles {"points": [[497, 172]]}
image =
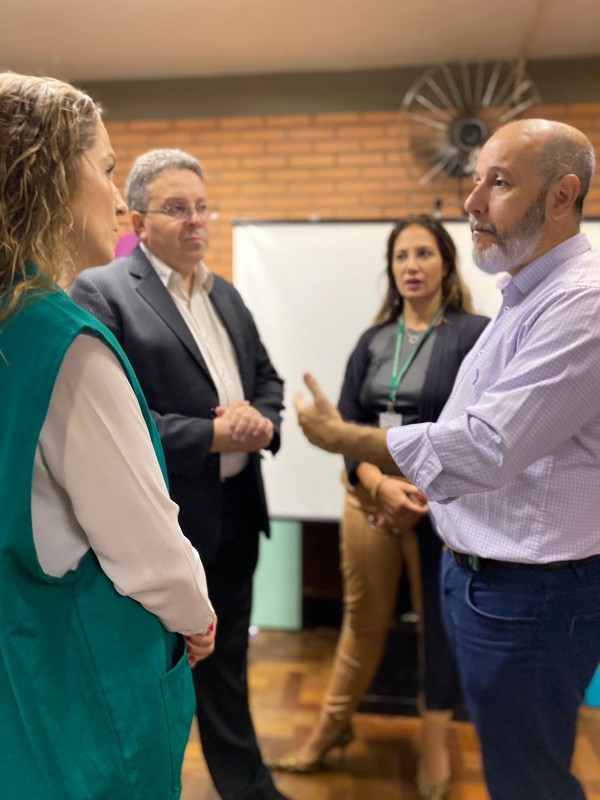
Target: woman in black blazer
{"points": [[400, 372]]}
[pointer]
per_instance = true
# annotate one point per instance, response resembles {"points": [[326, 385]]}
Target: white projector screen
{"points": [[313, 288]]}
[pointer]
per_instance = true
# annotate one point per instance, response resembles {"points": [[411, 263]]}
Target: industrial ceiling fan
{"points": [[452, 110]]}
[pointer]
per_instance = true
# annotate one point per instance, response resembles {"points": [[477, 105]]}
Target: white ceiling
{"points": [[128, 39]]}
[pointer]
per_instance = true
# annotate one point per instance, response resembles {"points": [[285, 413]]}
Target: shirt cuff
{"points": [[411, 449]]}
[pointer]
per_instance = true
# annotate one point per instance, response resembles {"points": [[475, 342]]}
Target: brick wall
{"points": [[351, 166]]}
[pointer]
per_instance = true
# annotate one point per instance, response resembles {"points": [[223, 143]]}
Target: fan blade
{"points": [[441, 164], [466, 79], [479, 80], [499, 99], [429, 122], [433, 108], [492, 83], [437, 90], [458, 101], [516, 110]]}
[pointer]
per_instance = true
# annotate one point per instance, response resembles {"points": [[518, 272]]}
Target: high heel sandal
{"points": [[437, 791], [291, 762]]}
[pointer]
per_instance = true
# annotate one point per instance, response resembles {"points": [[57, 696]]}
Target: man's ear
{"points": [[562, 196], [138, 221]]}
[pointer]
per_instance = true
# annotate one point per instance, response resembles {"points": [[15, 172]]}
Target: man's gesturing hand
{"points": [[320, 421]]}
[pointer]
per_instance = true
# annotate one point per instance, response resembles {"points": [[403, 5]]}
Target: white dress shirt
{"points": [[212, 340], [97, 483]]}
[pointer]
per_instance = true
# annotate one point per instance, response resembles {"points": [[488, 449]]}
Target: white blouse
{"points": [[97, 483]]}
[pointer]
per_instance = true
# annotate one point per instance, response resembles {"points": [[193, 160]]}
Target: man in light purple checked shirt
{"points": [[511, 469]]}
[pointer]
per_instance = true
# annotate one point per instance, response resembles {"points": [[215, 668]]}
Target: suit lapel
{"points": [[233, 323], [152, 290]]}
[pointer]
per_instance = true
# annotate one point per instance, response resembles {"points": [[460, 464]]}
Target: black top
{"points": [[453, 339], [375, 391]]}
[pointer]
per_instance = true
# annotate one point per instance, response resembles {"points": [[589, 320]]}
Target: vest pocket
{"points": [[178, 696]]}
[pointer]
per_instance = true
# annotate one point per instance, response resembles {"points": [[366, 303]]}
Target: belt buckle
{"points": [[466, 559], [474, 563]]}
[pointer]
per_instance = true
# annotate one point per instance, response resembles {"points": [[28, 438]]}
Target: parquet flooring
{"points": [[288, 672]]}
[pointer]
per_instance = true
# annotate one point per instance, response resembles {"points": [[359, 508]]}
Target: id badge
{"points": [[389, 419]]}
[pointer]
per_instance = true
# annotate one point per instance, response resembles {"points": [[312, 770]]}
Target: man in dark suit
{"points": [[217, 402]]}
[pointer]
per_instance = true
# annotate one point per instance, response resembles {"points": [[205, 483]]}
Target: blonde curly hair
{"points": [[45, 127]]}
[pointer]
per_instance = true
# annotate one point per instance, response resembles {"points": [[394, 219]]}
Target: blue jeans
{"points": [[527, 643]]}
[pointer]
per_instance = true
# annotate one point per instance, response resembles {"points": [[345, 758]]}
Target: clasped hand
{"points": [[243, 427], [402, 505]]}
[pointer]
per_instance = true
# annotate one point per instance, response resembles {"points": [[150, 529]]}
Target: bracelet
{"points": [[376, 485]]}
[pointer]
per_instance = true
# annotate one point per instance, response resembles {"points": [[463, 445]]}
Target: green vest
{"points": [[91, 705]]}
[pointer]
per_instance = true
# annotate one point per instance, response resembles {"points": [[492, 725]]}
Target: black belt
{"points": [[478, 563]]}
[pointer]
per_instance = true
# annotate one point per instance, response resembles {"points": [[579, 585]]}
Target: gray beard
{"points": [[514, 248]]}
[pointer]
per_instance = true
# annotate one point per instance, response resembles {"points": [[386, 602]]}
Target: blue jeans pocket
{"points": [[498, 608]]}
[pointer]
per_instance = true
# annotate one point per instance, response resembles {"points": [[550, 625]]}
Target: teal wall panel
{"points": [[277, 600]]}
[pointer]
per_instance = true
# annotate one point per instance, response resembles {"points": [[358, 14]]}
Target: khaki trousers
{"points": [[372, 561]]}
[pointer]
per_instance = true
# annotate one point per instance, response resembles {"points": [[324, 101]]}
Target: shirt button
{"points": [[506, 308]]}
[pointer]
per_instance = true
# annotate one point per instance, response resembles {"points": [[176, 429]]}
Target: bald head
{"points": [[530, 182], [557, 150]]}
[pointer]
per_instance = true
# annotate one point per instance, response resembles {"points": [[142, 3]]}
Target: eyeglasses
{"points": [[180, 212]]}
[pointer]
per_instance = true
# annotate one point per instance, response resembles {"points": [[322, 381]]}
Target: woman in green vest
{"points": [[98, 586]]}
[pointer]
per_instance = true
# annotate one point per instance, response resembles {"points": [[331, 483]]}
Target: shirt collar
{"points": [[538, 270], [203, 277]]}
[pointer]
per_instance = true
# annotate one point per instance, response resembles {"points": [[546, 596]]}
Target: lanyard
{"points": [[399, 372]]}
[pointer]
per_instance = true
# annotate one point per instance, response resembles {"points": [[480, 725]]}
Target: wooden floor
{"points": [[287, 676]]}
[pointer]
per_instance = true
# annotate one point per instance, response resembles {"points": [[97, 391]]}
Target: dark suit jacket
{"points": [[129, 297]]}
